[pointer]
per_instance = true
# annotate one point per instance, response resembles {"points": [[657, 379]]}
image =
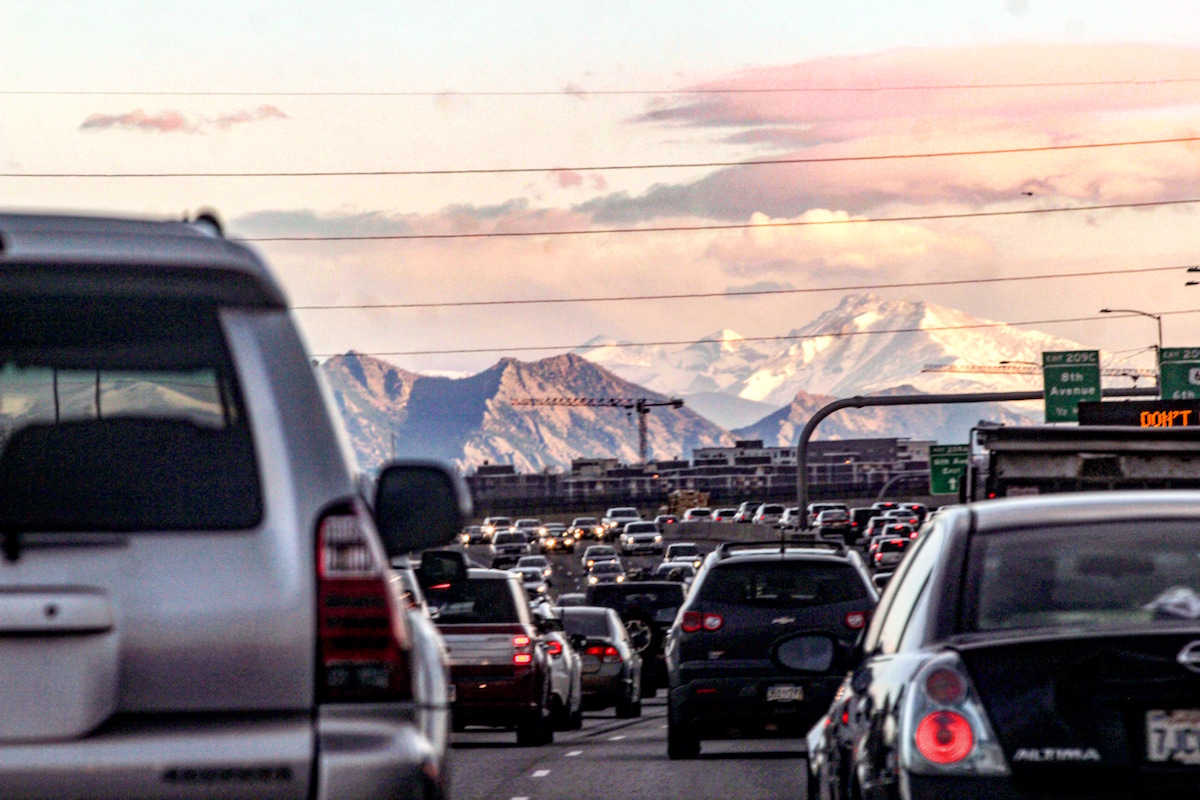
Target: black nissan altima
{"points": [[1036, 647]]}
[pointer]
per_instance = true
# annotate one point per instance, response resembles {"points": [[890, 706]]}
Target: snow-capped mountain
{"points": [[469, 421], [864, 345]]}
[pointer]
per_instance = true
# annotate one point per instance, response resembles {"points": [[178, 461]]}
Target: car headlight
{"points": [[541, 588], [620, 578], [547, 572], [593, 579], [658, 538]]}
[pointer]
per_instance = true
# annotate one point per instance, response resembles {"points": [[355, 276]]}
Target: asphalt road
{"points": [[623, 760]]}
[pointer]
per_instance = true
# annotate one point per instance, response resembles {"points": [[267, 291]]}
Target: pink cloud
{"points": [[175, 122], [839, 124], [225, 121], [139, 120], [565, 178]]}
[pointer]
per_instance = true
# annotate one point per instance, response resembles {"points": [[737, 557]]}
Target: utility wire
{"points": [[375, 173], [784, 338], [734, 295], [720, 227], [580, 92]]}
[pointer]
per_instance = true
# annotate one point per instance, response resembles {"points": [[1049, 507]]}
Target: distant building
{"points": [[748, 470]]}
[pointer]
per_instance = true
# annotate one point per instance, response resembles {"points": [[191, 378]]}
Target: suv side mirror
{"points": [[419, 505]]}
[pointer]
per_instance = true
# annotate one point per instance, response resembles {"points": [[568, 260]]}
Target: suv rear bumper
{"points": [[719, 706], [361, 752]]}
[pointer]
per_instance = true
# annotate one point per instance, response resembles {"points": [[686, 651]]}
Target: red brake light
{"points": [[945, 737], [522, 658], [855, 620], [846, 716], [521, 641], [595, 650], [611, 656], [946, 686], [554, 648], [362, 630], [692, 621]]}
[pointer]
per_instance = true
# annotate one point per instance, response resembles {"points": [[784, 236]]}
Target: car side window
{"points": [[908, 589]]}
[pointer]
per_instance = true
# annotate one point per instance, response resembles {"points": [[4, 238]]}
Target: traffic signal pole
{"points": [[868, 401]]}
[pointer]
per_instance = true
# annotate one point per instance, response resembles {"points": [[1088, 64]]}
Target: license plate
{"points": [[785, 694], [1173, 736]]}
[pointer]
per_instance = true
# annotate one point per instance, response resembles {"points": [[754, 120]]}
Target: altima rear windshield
{"points": [[782, 584], [121, 414], [1117, 574]]}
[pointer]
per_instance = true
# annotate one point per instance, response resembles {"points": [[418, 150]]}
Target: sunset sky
{"points": [[556, 88]]}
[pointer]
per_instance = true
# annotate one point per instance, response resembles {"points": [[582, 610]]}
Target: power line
{"points": [[784, 338], [721, 227], [581, 92], [734, 295], [377, 173]]}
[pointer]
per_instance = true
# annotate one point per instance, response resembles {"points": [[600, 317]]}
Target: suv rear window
{"points": [[510, 538], [121, 414], [481, 601], [782, 583], [641, 527], [1117, 574]]}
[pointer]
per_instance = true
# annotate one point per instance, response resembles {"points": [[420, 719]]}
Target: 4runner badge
{"points": [[1040, 755]]}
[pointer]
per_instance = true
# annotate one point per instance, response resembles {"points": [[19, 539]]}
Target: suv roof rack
{"points": [[725, 549]]}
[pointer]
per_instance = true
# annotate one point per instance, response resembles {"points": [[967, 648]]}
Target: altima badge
{"points": [[1189, 656]]}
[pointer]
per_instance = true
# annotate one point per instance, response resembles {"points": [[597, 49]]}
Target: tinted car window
{"points": [[510, 538], [782, 584], [121, 415], [624, 601], [1084, 575], [585, 623], [476, 601], [682, 550]]}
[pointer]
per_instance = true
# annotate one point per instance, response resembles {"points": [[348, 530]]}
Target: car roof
{"points": [[488, 574], [767, 553], [89, 255], [1081, 507]]}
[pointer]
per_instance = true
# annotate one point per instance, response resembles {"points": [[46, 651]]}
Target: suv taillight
{"points": [[522, 650], [362, 631], [694, 621]]}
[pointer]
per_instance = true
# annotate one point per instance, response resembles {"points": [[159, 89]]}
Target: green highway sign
{"points": [[947, 463], [1068, 377], [1179, 373]]}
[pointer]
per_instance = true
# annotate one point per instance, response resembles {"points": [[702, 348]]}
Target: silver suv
{"points": [[195, 598]]}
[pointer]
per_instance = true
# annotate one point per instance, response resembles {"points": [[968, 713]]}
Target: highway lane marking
{"points": [[574, 753], [540, 773], [615, 738]]}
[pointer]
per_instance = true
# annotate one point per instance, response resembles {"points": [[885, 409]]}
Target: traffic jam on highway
{"points": [[199, 597]]}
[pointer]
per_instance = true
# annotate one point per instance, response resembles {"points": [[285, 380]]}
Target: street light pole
{"points": [[1156, 317]]}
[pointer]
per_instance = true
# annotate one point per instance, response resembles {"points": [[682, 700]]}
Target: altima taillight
{"points": [[948, 731], [362, 631]]}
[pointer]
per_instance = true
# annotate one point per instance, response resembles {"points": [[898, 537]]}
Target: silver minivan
{"points": [[196, 599]]}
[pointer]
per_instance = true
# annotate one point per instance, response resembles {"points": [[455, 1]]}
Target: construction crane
{"points": [[1033, 369], [639, 405]]}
